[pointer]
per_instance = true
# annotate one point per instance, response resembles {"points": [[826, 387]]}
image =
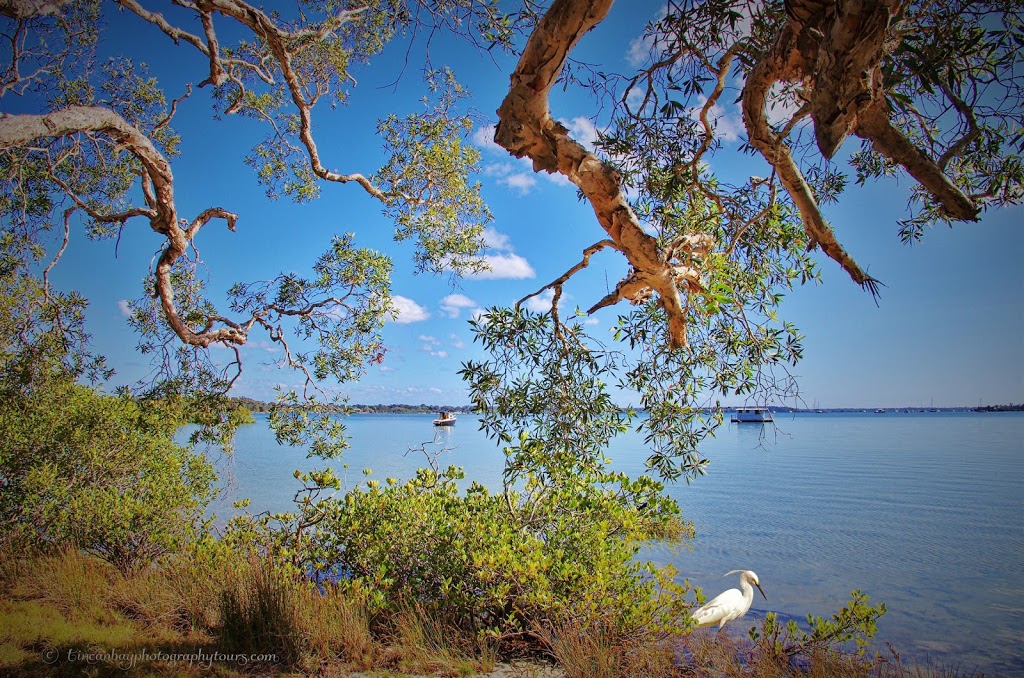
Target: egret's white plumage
{"points": [[730, 604]]}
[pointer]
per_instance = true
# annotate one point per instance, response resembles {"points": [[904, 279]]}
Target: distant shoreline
{"points": [[399, 408]]}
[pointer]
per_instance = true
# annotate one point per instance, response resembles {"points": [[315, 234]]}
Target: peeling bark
{"points": [[526, 129], [777, 153], [835, 49], [25, 9], [874, 125]]}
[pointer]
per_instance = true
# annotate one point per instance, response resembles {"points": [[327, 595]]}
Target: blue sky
{"points": [[948, 330]]}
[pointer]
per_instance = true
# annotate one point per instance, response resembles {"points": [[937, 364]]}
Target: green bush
{"points": [[855, 623], [100, 473], [498, 564]]}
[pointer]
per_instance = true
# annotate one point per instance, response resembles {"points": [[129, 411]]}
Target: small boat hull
{"points": [[445, 419], [753, 415]]}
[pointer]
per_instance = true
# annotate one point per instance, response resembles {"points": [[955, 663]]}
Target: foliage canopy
{"points": [[709, 259]]}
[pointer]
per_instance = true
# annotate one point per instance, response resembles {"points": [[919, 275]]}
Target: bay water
{"points": [[923, 511]]}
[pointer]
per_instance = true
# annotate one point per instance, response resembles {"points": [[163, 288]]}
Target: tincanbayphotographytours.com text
{"points": [[129, 660]]}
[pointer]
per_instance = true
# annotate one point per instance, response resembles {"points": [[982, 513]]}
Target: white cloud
{"points": [[521, 182], [264, 345], [453, 304], [431, 349], [782, 103], [496, 240], [407, 310], [123, 307], [506, 266], [582, 130], [426, 338], [558, 179], [640, 47], [483, 137], [516, 174], [542, 302], [457, 343], [727, 125], [635, 97]]}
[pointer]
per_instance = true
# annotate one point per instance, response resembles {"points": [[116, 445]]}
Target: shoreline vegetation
{"points": [[64, 612]]}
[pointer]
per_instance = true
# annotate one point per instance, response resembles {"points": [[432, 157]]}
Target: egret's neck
{"points": [[748, 592]]}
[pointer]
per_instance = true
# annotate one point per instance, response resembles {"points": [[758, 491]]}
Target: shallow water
{"points": [[924, 511]]}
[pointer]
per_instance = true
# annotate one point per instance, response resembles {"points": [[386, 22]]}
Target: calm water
{"points": [[922, 511]]}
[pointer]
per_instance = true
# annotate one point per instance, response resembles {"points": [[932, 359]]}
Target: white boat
{"points": [[445, 419], [756, 415]]}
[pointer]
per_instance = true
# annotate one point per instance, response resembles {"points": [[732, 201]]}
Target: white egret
{"points": [[731, 604]]}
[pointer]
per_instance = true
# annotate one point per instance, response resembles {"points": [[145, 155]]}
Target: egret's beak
{"points": [[761, 590]]}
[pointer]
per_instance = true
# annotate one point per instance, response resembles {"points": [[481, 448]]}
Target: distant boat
{"points": [[880, 411], [445, 419], [755, 415]]}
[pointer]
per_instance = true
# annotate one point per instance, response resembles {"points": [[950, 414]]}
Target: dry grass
{"points": [[53, 606], [418, 642], [597, 648], [267, 610]]}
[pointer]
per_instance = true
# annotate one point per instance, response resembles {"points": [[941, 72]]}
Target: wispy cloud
{"points": [[640, 47], [582, 130], [517, 173], [508, 265], [542, 302], [407, 311], [453, 304], [783, 103], [483, 138], [124, 308], [430, 347], [728, 125], [520, 182]]}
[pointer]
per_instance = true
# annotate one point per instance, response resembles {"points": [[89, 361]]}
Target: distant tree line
{"points": [[395, 408]]}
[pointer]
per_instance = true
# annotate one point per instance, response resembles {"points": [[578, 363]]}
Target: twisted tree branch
{"points": [[526, 129]]}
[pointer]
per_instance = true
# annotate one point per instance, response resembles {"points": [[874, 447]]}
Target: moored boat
{"points": [[755, 415], [445, 419]]}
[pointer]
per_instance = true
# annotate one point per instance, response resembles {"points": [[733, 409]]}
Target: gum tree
{"points": [[99, 155], [931, 89]]}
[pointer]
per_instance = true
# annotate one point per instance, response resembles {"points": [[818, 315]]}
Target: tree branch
{"points": [[158, 188], [526, 129], [781, 63], [874, 125], [562, 279]]}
